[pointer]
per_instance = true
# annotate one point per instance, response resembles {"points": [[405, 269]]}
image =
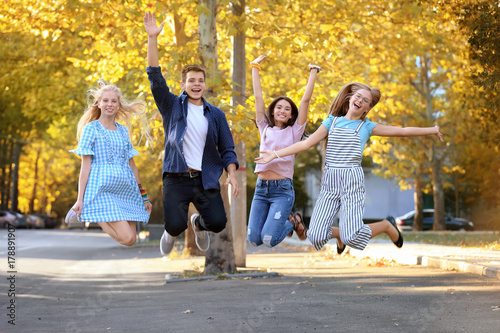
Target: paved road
{"points": [[80, 281]]}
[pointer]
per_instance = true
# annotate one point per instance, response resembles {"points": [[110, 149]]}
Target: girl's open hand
{"points": [[439, 134], [266, 156], [77, 207], [259, 59], [149, 207], [152, 29]]}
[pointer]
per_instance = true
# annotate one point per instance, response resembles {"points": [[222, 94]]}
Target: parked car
{"points": [[452, 223], [36, 222], [49, 221], [6, 218], [22, 221]]}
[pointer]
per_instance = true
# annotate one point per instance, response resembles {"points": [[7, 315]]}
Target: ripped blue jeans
{"points": [[271, 205]]}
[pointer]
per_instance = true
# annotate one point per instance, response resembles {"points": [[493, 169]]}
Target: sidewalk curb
{"points": [[409, 259]]}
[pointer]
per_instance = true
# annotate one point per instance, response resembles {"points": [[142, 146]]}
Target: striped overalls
{"points": [[342, 188]]}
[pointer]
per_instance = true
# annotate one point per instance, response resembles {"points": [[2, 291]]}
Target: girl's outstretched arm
{"points": [[385, 130], [260, 108], [304, 103], [269, 155]]}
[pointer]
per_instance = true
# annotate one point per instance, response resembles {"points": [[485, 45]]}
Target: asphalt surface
{"points": [[84, 282], [469, 260]]}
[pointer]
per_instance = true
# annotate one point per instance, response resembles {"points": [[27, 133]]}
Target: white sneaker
{"points": [[70, 216], [166, 243], [201, 237]]}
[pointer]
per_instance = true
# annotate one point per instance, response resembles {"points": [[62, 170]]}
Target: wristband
{"points": [[144, 195], [275, 153], [319, 69], [256, 65]]}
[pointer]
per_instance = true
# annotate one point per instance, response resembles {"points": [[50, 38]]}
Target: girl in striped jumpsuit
{"points": [[342, 186]]}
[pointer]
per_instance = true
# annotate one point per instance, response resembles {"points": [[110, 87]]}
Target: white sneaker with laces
{"points": [[70, 216], [202, 237], [166, 243]]}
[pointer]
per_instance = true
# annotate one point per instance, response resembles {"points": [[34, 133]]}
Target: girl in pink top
{"points": [[271, 218]]}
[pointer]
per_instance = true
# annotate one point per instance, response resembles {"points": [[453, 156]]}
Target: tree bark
{"points": [[220, 256], [35, 183], [181, 38], [15, 177], [424, 87], [437, 187], [208, 42], [9, 176], [457, 193], [238, 208], [4, 189], [419, 199]]}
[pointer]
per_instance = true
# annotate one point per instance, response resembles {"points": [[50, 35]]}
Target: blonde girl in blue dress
{"points": [[109, 188]]}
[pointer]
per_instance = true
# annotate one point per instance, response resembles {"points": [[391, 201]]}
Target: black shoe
{"points": [[399, 242], [340, 250]]}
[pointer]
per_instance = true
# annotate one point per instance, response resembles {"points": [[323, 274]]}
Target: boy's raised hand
{"points": [[152, 29]]}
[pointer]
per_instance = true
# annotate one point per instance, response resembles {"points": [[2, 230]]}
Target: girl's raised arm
{"points": [[260, 108], [304, 103]]}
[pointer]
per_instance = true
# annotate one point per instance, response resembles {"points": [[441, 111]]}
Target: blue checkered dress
{"points": [[112, 193]]}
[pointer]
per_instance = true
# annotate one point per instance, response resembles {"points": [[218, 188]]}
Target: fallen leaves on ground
{"points": [[382, 262]]}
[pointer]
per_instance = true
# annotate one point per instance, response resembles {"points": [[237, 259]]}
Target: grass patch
{"points": [[483, 240]]}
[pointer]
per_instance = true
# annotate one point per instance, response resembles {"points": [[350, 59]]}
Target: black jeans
{"points": [[178, 192]]}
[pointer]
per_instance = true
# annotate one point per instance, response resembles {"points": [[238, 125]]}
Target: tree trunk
{"points": [[437, 186], [15, 177], [35, 183], [44, 201], [220, 257], [425, 88], [457, 194], [3, 179], [9, 175], [419, 200], [208, 42], [238, 208]]}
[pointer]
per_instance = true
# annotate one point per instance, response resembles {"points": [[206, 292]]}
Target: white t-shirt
{"points": [[196, 136]]}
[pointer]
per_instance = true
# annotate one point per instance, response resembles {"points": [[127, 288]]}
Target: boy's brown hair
{"points": [[192, 68]]}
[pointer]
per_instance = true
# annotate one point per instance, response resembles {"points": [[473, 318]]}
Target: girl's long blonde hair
{"points": [[340, 104], [126, 110]]}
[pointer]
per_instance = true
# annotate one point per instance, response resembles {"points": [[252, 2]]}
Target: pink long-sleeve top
{"points": [[275, 138]]}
